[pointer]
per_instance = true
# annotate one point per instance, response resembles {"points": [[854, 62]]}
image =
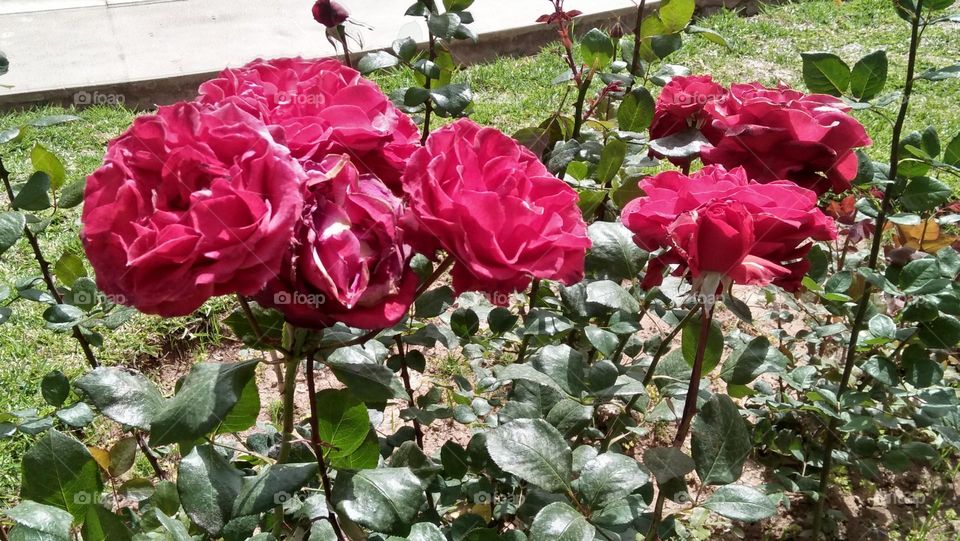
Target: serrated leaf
{"points": [[608, 478], [758, 357], [739, 502], [273, 485], [48, 162], [825, 73], [869, 75], [383, 500], [35, 194], [560, 522], [122, 395], [59, 471], [720, 441], [636, 110], [533, 450], [343, 421], [11, 229]]}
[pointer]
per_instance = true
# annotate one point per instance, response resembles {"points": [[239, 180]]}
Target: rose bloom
{"points": [[780, 133], [322, 107], [681, 102], [190, 203], [495, 208], [348, 262], [723, 227]]}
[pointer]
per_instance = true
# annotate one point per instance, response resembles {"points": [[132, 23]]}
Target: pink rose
{"points": [[348, 262], [322, 107], [190, 203], [784, 134], [492, 205], [681, 102], [722, 224]]}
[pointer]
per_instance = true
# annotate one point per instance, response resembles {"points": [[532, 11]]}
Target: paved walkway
{"points": [[156, 51]]}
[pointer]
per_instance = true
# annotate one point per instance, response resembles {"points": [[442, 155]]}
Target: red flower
{"points": [[329, 13], [494, 207], [681, 102], [348, 262], [322, 107], [784, 134], [721, 226], [190, 203]]}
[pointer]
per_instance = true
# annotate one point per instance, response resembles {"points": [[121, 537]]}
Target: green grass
{"points": [[509, 93]]}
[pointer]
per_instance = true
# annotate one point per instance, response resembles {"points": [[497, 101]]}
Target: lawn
{"points": [[509, 94]]}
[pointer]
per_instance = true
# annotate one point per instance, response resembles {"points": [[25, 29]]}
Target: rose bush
{"points": [[321, 107], [723, 224], [491, 204], [191, 202], [680, 106], [348, 261]]}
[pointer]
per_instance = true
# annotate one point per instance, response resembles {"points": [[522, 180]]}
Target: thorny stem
{"points": [[151, 458], [45, 270], [689, 408], [342, 32], [317, 447], [885, 208], [583, 88], [432, 52], [637, 36], [292, 363], [534, 289], [417, 427]]}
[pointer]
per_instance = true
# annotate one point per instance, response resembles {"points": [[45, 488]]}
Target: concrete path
{"points": [[144, 52]]}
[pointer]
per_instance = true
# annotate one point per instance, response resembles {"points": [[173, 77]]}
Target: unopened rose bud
{"points": [[617, 31], [329, 13]]}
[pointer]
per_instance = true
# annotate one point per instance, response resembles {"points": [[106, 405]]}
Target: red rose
{"points": [[329, 13], [190, 203], [322, 107], [720, 223], [493, 206], [348, 262], [681, 102], [784, 134]]}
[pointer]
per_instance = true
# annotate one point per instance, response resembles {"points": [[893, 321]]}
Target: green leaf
{"points": [[882, 370], [46, 161], [501, 320], [612, 295], [383, 500], [611, 158], [919, 369], [603, 340], [596, 48], [464, 322], [709, 34], [433, 302], [68, 268], [924, 193], [457, 5], [739, 502], [720, 441], [322, 530], [676, 14], [405, 49], [681, 145], [636, 110], [454, 459], [690, 339], [825, 73], [452, 100], [102, 525], [425, 531], [78, 415], [533, 450], [562, 364], [443, 25], [545, 323], [560, 522], [51, 521], [667, 463], [570, 417], [62, 317], [176, 529], [274, 485], [608, 478], [59, 471], [245, 412], [941, 74], [951, 154], [366, 456], [882, 326], [123, 395], [122, 454], [613, 253], [53, 120], [208, 485], [369, 380], [35, 194], [55, 388], [11, 229], [918, 273], [375, 61], [869, 75], [4, 63], [758, 357], [343, 421], [208, 394]]}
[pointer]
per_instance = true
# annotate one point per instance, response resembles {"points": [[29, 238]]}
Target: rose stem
{"points": [[318, 448], [342, 32], [151, 458], [637, 37], [534, 289], [689, 407], [432, 51], [417, 427], [45, 270], [258, 333], [292, 363], [661, 349], [885, 208]]}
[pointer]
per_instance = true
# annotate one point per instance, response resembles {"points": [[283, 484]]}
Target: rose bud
{"points": [[329, 13]]}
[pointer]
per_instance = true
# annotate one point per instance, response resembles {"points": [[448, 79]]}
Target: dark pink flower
{"points": [[493, 206], [329, 13], [681, 102], [348, 261], [190, 203], [321, 107]]}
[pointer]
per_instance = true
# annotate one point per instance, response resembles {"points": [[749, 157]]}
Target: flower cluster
{"points": [[773, 133], [722, 228], [286, 179]]}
